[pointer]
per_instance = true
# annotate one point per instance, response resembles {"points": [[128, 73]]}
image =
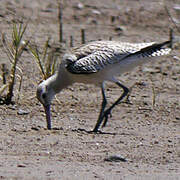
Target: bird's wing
{"points": [[108, 46], [93, 62], [96, 56]]}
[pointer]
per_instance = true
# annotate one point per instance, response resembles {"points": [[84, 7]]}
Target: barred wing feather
{"points": [[95, 56]]}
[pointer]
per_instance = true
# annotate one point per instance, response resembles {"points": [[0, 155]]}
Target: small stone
{"points": [[21, 165], [22, 112], [35, 128], [115, 158], [118, 28], [58, 128], [140, 143], [177, 8], [96, 12], [93, 21], [2, 16], [164, 73], [48, 10], [79, 6], [156, 142], [176, 57], [151, 70], [13, 107]]}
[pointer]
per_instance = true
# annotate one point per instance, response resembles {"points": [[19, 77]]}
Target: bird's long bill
{"points": [[47, 109]]}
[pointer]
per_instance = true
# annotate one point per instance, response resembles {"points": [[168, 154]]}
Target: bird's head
{"points": [[45, 94]]}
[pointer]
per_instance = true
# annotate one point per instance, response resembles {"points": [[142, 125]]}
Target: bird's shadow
{"points": [[92, 132], [79, 130]]}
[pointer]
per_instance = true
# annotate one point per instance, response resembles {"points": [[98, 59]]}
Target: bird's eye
{"points": [[44, 95]]}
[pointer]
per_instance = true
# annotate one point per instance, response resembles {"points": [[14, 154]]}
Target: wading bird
{"points": [[95, 63]]}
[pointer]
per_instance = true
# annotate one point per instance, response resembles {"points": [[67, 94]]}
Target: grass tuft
{"points": [[14, 50], [47, 60]]}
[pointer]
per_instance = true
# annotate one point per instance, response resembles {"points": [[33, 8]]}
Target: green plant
{"points": [[14, 50], [47, 60]]}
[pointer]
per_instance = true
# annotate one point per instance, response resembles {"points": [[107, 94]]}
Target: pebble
{"points": [[177, 7], [115, 158], [79, 6], [118, 28], [96, 12], [150, 70], [35, 128], [21, 165], [22, 112]]}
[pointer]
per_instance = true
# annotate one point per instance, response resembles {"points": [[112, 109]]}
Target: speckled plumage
{"points": [[97, 62], [97, 55]]}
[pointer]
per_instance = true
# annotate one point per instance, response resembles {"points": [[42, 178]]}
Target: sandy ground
{"points": [[147, 137]]}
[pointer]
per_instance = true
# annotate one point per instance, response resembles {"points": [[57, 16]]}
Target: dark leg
{"points": [[107, 113], [101, 114]]}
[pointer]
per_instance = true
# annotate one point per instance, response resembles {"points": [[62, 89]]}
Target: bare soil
{"points": [[147, 136]]}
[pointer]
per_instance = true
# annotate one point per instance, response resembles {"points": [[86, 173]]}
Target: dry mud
{"points": [[147, 136]]}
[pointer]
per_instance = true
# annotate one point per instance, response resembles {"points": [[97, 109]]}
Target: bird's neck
{"points": [[58, 82]]}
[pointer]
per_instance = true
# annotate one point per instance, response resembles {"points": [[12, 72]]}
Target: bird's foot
{"points": [[94, 131], [101, 132]]}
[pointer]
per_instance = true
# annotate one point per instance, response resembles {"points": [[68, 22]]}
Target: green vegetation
{"points": [[46, 61], [14, 50]]}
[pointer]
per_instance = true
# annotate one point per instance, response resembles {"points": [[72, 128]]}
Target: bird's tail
{"points": [[157, 49]]}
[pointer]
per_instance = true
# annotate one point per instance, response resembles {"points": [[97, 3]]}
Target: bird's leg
{"points": [[107, 113], [101, 114]]}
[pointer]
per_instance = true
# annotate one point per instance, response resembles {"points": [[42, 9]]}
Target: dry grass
{"points": [[14, 50], [47, 60]]}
